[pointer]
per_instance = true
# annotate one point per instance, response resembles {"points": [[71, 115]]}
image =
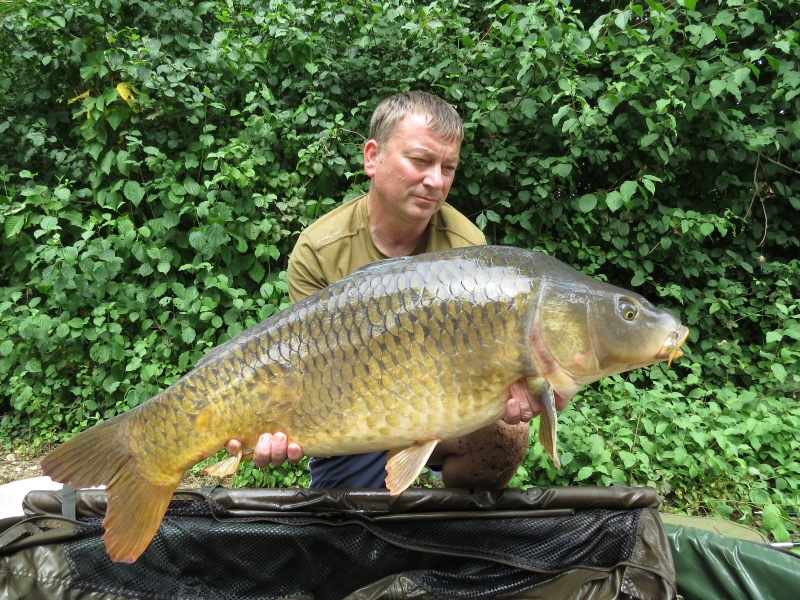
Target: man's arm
{"points": [[304, 275]]}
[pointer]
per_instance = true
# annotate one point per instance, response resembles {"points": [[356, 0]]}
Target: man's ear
{"points": [[370, 157]]}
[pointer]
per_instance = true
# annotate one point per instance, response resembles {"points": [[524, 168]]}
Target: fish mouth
{"points": [[672, 347]]}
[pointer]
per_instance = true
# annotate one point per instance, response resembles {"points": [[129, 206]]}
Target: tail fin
{"points": [[136, 506]]}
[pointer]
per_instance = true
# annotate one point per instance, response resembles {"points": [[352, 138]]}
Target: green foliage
{"points": [[159, 158]]}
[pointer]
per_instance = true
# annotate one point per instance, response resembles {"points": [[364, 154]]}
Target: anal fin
{"points": [[548, 423], [405, 465]]}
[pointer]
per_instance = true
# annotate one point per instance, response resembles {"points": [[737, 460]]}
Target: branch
{"points": [[775, 162]]}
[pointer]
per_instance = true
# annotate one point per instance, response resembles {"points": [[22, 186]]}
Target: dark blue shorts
{"points": [[354, 471]]}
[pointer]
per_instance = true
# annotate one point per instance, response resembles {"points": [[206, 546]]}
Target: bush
{"points": [[159, 158]]}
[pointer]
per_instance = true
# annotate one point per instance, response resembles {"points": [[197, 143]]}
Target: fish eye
{"points": [[628, 310]]}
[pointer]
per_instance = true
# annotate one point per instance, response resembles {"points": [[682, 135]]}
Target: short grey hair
{"points": [[444, 119]]}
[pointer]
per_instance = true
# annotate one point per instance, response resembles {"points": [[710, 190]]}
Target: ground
{"points": [[15, 465]]}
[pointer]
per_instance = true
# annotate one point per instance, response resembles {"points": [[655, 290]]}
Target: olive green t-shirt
{"points": [[340, 242]]}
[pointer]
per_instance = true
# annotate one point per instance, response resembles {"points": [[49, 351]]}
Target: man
{"points": [[411, 158]]}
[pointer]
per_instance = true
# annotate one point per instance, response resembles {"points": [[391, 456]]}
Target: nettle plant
{"points": [[159, 159]]}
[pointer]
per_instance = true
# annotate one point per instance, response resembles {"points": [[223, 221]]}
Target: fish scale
{"points": [[401, 354]]}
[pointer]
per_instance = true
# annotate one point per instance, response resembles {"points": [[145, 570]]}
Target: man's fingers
{"points": [[512, 412], [262, 454], [275, 449], [233, 447], [521, 406], [295, 453], [279, 448], [529, 407]]}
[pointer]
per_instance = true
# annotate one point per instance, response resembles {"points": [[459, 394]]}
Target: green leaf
{"points": [[608, 103], [724, 510], [741, 75], [779, 371], [257, 271], [596, 445], [716, 87], [613, 201], [753, 15], [188, 335], [13, 225], [621, 20], [559, 114], [197, 239], [109, 385], [216, 236], [628, 459], [202, 8], [584, 473], [648, 139], [133, 191], [122, 166], [192, 187], [720, 34], [562, 169], [474, 188], [95, 149], [115, 117], [771, 516], [706, 229], [699, 101], [587, 203], [528, 108], [628, 189], [108, 160]]}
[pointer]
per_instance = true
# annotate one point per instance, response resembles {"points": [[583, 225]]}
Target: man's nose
{"points": [[434, 179]]}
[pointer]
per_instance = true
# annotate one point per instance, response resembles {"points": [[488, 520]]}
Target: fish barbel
{"points": [[401, 354]]}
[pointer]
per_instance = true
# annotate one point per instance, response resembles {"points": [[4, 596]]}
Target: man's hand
{"points": [[521, 406], [270, 448]]}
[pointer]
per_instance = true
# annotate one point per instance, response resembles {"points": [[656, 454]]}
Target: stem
{"points": [[775, 162]]}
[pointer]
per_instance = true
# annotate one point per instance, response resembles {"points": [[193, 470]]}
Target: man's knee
{"points": [[487, 458]]}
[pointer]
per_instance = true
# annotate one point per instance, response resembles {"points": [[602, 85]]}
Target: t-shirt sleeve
{"points": [[304, 275]]}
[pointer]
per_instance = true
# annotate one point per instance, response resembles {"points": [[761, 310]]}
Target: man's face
{"points": [[412, 175]]}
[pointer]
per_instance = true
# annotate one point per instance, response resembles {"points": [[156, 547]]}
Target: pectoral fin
{"points": [[228, 466], [404, 466], [548, 423]]}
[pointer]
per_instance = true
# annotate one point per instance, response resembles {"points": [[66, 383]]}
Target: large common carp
{"points": [[401, 354]]}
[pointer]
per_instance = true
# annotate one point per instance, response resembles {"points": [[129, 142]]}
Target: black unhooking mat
{"points": [[580, 542]]}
